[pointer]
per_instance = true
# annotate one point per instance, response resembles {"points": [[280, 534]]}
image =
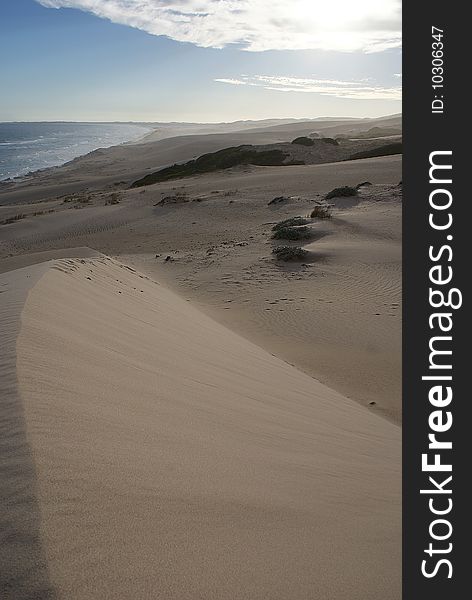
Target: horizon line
{"points": [[99, 121]]}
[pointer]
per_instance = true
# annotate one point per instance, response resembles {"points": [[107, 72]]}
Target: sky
{"points": [[198, 60]]}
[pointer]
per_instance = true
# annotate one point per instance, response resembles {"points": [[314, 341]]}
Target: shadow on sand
{"points": [[23, 567]]}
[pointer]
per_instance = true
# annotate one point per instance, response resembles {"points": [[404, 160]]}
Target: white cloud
{"points": [[355, 90], [232, 81], [344, 25]]}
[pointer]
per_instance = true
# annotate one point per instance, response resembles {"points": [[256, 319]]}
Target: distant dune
{"points": [[133, 161], [165, 130], [301, 151], [333, 127]]}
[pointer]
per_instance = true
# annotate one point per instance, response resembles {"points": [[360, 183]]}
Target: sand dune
{"points": [[337, 318], [290, 127], [333, 127], [171, 458], [165, 130]]}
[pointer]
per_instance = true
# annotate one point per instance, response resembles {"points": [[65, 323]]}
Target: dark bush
{"points": [[289, 253], [278, 200], [177, 198], [386, 150], [330, 141], [292, 222], [320, 212], [11, 220], [294, 163], [214, 161], [303, 141], [341, 192], [291, 233], [112, 199]]}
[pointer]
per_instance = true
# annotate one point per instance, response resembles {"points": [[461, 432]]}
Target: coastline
{"points": [[20, 175]]}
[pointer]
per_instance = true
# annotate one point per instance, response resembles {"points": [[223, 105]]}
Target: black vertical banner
{"points": [[437, 254]]}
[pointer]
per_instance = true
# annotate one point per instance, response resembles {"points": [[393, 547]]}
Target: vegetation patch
{"points": [[112, 199], [341, 192], [376, 132], [294, 162], [303, 141], [20, 216], [79, 199], [278, 200], [291, 233], [290, 253], [214, 161], [177, 198], [386, 150], [330, 141], [320, 212], [13, 219], [43, 212], [292, 222]]}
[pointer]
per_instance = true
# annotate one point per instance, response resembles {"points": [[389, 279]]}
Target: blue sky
{"points": [[103, 60]]}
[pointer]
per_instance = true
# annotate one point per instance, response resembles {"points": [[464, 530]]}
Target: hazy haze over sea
{"points": [[26, 147]]}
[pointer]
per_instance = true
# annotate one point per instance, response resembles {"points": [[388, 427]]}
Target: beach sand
{"points": [[337, 318], [172, 458]]}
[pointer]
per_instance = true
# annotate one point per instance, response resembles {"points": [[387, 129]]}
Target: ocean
{"points": [[26, 147]]}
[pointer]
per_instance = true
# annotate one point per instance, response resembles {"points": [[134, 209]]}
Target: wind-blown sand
{"points": [[168, 457]]}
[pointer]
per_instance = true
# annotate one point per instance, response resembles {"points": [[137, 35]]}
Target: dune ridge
{"points": [[23, 566], [175, 459]]}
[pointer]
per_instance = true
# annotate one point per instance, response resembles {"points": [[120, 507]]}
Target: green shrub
{"points": [[289, 253], [341, 192]]}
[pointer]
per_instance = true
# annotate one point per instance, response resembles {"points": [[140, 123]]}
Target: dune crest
{"points": [[176, 460]]}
